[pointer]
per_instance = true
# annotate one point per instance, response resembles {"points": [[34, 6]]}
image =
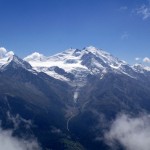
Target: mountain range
{"points": [[67, 101]]}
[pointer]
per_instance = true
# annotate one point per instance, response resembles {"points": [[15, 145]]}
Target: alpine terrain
{"points": [[68, 101]]}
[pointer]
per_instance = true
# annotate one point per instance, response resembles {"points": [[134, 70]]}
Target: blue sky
{"points": [[121, 27]]}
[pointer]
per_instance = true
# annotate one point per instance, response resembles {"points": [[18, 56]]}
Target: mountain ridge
{"points": [[89, 60], [74, 65]]}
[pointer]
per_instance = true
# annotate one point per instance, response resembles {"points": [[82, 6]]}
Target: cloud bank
{"points": [[8, 142], [131, 133]]}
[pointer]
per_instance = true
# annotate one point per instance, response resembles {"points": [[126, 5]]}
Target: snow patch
{"points": [[75, 96]]}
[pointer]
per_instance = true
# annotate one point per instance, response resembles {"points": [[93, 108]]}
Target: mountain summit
{"points": [[79, 63]]}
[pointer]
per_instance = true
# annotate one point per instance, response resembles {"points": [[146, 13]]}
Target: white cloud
{"points": [[5, 53], [146, 60], [144, 11], [137, 58], [147, 68], [35, 56], [131, 133], [10, 53], [124, 36], [8, 142]]}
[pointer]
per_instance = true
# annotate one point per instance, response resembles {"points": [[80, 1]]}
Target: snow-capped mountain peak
{"points": [[9, 60], [94, 50], [16, 62], [79, 63]]}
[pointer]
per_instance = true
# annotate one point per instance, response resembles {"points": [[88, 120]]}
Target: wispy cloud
{"points": [[131, 133], [146, 60], [124, 36], [122, 8], [143, 11]]}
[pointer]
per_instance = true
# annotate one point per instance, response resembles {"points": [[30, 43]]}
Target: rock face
{"points": [[68, 100]]}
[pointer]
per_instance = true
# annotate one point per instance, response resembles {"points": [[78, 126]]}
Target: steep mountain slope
{"points": [[74, 66], [33, 103]]}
